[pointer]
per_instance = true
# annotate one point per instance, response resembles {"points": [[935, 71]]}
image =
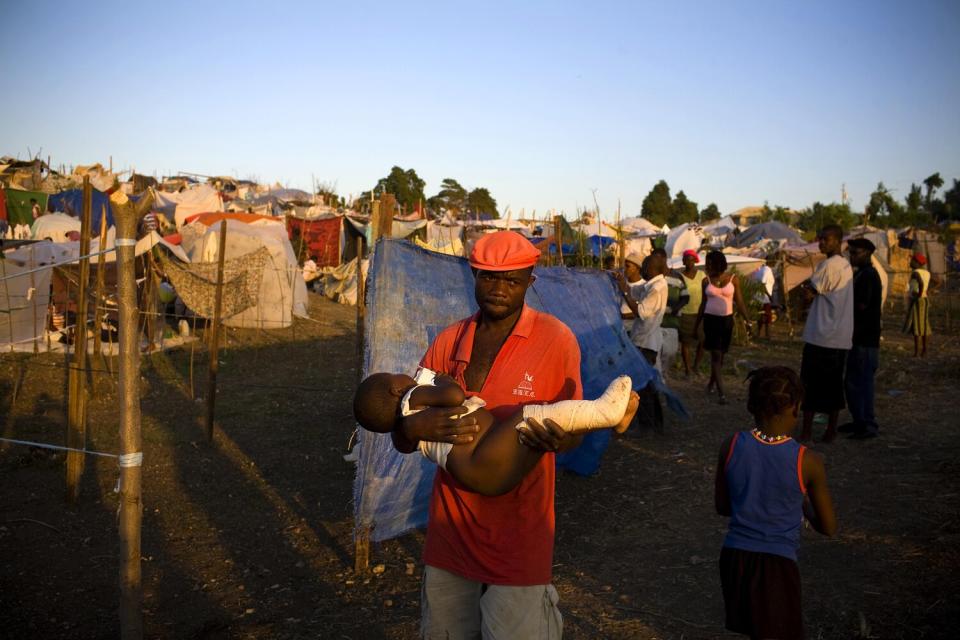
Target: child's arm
{"points": [[818, 507], [721, 497], [444, 392]]}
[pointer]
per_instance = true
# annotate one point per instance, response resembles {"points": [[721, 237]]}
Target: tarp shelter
{"points": [[720, 228], [180, 205], [682, 238], [317, 239], [772, 230], [19, 208], [56, 227], [639, 226], [282, 291], [71, 203], [412, 295], [24, 299], [741, 264]]}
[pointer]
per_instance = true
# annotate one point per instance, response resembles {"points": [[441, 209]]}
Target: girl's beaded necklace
{"points": [[770, 439]]}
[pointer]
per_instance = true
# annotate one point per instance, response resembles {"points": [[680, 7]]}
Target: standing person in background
{"points": [[677, 299], [918, 313], [630, 283], [827, 334], [690, 336], [35, 208], [764, 275], [864, 356], [720, 291], [648, 302]]}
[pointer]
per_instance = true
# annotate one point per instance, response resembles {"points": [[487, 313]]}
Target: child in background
{"points": [[767, 483], [918, 313], [495, 460]]}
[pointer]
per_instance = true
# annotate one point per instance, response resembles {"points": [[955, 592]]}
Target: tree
{"points": [[882, 208], [452, 197], [951, 199], [710, 213], [777, 213], [932, 183], [820, 215], [480, 201], [682, 210], [657, 206], [405, 186]]}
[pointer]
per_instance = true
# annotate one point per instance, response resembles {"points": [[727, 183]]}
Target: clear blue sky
{"points": [[734, 102]]}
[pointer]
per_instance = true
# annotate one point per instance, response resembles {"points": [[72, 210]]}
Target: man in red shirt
{"points": [[488, 559]]}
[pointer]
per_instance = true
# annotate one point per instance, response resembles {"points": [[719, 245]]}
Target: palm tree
{"points": [[932, 183]]}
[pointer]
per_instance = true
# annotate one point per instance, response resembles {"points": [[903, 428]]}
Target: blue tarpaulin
{"points": [[412, 295], [71, 201]]}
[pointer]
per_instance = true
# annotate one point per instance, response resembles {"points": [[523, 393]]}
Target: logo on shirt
{"points": [[525, 387]]}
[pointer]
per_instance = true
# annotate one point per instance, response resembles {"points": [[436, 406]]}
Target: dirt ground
{"points": [[250, 537]]}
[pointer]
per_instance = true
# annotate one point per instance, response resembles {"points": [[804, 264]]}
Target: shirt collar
{"points": [[522, 329], [655, 279]]}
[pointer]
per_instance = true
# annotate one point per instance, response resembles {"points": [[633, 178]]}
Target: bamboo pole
{"points": [[101, 283], [77, 380], [361, 556], [214, 346], [558, 237], [131, 504]]}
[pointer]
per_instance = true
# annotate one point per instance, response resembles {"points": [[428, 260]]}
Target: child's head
{"points": [[773, 390], [376, 404]]}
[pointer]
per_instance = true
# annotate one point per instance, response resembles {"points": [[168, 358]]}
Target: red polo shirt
{"points": [[508, 539]]}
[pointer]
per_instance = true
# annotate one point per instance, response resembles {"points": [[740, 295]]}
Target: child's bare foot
{"points": [[632, 405]]}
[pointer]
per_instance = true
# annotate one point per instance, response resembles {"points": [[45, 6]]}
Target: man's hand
{"points": [[439, 424], [621, 282], [548, 436]]}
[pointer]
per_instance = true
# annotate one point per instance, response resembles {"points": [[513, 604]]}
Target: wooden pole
{"points": [[101, 283], [361, 555], [558, 237], [131, 503], [621, 241], [214, 346], [77, 378]]}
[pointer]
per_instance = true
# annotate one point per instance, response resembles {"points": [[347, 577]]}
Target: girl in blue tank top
{"points": [[767, 483]]}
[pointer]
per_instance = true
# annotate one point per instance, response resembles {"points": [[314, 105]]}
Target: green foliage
{"points": [[819, 215], [951, 200], [682, 210], [657, 206], [452, 197], [932, 183], [405, 186], [710, 213], [776, 214], [882, 209], [480, 201]]}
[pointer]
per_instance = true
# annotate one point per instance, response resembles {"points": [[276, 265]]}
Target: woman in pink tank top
{"points": [[720, 291]]}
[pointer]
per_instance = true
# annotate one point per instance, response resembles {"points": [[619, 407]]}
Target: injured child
{"points": [[495, 461]]}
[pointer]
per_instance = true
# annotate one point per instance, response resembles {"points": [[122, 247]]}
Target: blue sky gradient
{"points": [[541, 102]]}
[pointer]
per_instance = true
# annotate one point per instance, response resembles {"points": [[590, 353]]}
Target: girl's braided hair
{"points": [[772, 389]]}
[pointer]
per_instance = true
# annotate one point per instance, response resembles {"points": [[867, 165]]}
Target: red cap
{"points": [[503, 251], [919, 257], [691, 252]]}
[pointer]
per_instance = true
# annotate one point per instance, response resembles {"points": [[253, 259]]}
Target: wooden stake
{"points": [[361, 547], [77, 378], [131, 504], [214, 346], [361, 560], [558, 237], [101, 283]]}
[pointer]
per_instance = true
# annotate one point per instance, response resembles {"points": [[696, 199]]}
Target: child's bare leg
{"points": [[831, 433]]}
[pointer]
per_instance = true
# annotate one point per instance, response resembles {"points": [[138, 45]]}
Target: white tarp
{"points": [[340, 283], [743, 265], [683, 237], [639, 226], [720, 228], [400, 228], [283, 292], [54, 227], [24, 299], [200, 199]]}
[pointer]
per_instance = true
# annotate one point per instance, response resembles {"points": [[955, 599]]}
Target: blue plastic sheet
{"points": [[412, 295], [71, 201]]}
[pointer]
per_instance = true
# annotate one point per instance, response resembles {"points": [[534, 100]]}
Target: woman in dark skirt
{"points": [[767, 482], [720, 291]]}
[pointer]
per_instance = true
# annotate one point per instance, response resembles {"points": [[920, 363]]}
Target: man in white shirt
{"points": [[764, 275], [827, 334], [648, 302]]}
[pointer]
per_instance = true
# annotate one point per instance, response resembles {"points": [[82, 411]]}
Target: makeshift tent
{"points": [[282, 293], [720, 228], [56, 227], [682, 238], [340, 283], [181, 205], [24, 299], [741, 264], [640, 226], [412, 295], [18, 205], [317, 239], [764, 231], [71, 203]]}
